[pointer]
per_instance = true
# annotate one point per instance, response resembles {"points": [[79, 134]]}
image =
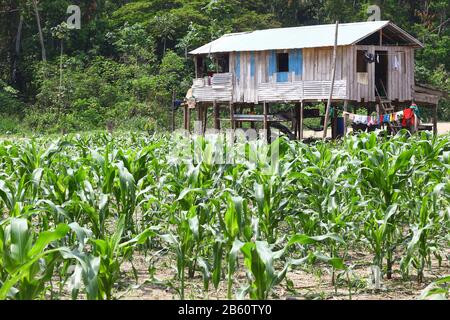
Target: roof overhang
{"points": [[302, 37]]}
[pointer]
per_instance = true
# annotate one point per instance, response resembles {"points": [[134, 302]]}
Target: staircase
{"points": [[385, 107]]}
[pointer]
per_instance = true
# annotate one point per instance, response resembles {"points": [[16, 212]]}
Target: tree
{"points": [[163, 27], [41, 36]]}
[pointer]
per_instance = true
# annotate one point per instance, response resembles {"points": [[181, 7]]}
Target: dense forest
{"points": [[122, 67]]}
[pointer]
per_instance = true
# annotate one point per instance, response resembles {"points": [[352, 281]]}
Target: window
{"points": [[200, 67], [361, 63], [224, 63], [282, 62]]}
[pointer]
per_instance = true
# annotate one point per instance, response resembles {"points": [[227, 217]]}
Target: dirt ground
{"points": [[310, 283]]}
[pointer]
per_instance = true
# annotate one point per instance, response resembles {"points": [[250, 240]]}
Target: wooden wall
{"points": [[314, 64], [399, 82]]}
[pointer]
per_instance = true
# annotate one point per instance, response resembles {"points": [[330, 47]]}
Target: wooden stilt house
{"points": [[374, 68]]}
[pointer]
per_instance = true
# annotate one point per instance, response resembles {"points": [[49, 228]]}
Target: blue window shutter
{"points": [[300, 62], [272, 63], [296, 61], [292, 60]]}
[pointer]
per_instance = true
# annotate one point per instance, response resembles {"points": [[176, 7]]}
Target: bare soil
{"points": [[311, 283]]}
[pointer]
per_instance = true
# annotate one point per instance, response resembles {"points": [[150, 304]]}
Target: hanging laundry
{"points": [[369, 57], [396, 63], [386, 118], [415, 109], [408, 119], [363, 119]]}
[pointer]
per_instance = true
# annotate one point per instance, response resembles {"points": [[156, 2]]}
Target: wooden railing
{"points": [[219, 87], [301, 90]]}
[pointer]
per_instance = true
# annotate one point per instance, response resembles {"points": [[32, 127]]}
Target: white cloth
{"points": [[396, 63]]}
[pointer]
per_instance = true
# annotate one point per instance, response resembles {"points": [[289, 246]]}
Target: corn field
{"points": [[76, 210]]}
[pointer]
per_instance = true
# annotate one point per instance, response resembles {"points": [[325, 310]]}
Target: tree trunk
{"points": [[41, 36], [17, 50]]}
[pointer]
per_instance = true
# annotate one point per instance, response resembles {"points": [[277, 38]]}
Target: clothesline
{"points": [[406, 117]]}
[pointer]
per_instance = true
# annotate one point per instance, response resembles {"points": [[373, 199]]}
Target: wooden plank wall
{"points": [[317, 65], [400, 82]]}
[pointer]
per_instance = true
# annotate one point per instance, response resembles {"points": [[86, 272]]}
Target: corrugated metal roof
{"points": [[297, 37]]}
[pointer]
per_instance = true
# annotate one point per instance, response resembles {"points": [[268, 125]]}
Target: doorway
{"points": [[381, 73]]}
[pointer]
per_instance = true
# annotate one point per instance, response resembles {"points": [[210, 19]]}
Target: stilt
{"points": [[216, 116], [300, 120], [233, 124], [378, 113], [345, 117], [186, 113], [266, 120], [334, 133], [205, 118], [199, 119], [435, 119], [241, 111], [295, 120], [252, 110]]}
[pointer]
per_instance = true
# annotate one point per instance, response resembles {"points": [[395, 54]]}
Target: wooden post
{"points": [[345, 116], [233, 124], [196, 67], [205, 118], [294, 128], [252, 110], [266, 122], [333, 76], [185, 117], [199, 124], [172, 120], [435, 119], [378, 113], [334, 125], [300, 120], [216, 116]]}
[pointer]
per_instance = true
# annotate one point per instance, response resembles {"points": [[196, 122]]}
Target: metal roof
{"points": [[300, 37]]}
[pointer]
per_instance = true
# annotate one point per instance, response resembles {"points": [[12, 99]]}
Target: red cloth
{"points": [[408, 118]]}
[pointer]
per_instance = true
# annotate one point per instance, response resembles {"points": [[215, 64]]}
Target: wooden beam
{"points": [[435, 119], [196, 67], [295, 120], [333, 77], [185, 117], [233, 124], [345, 116], [266, 122], [216, 116], [300, 120], [205, 118], [252, 110], [334, 125]]}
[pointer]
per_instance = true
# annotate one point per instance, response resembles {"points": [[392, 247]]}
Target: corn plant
{"points": [[27, 264]]}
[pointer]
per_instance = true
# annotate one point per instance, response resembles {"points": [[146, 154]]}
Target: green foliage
{"points": [[75, 209], [119, 54]]}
